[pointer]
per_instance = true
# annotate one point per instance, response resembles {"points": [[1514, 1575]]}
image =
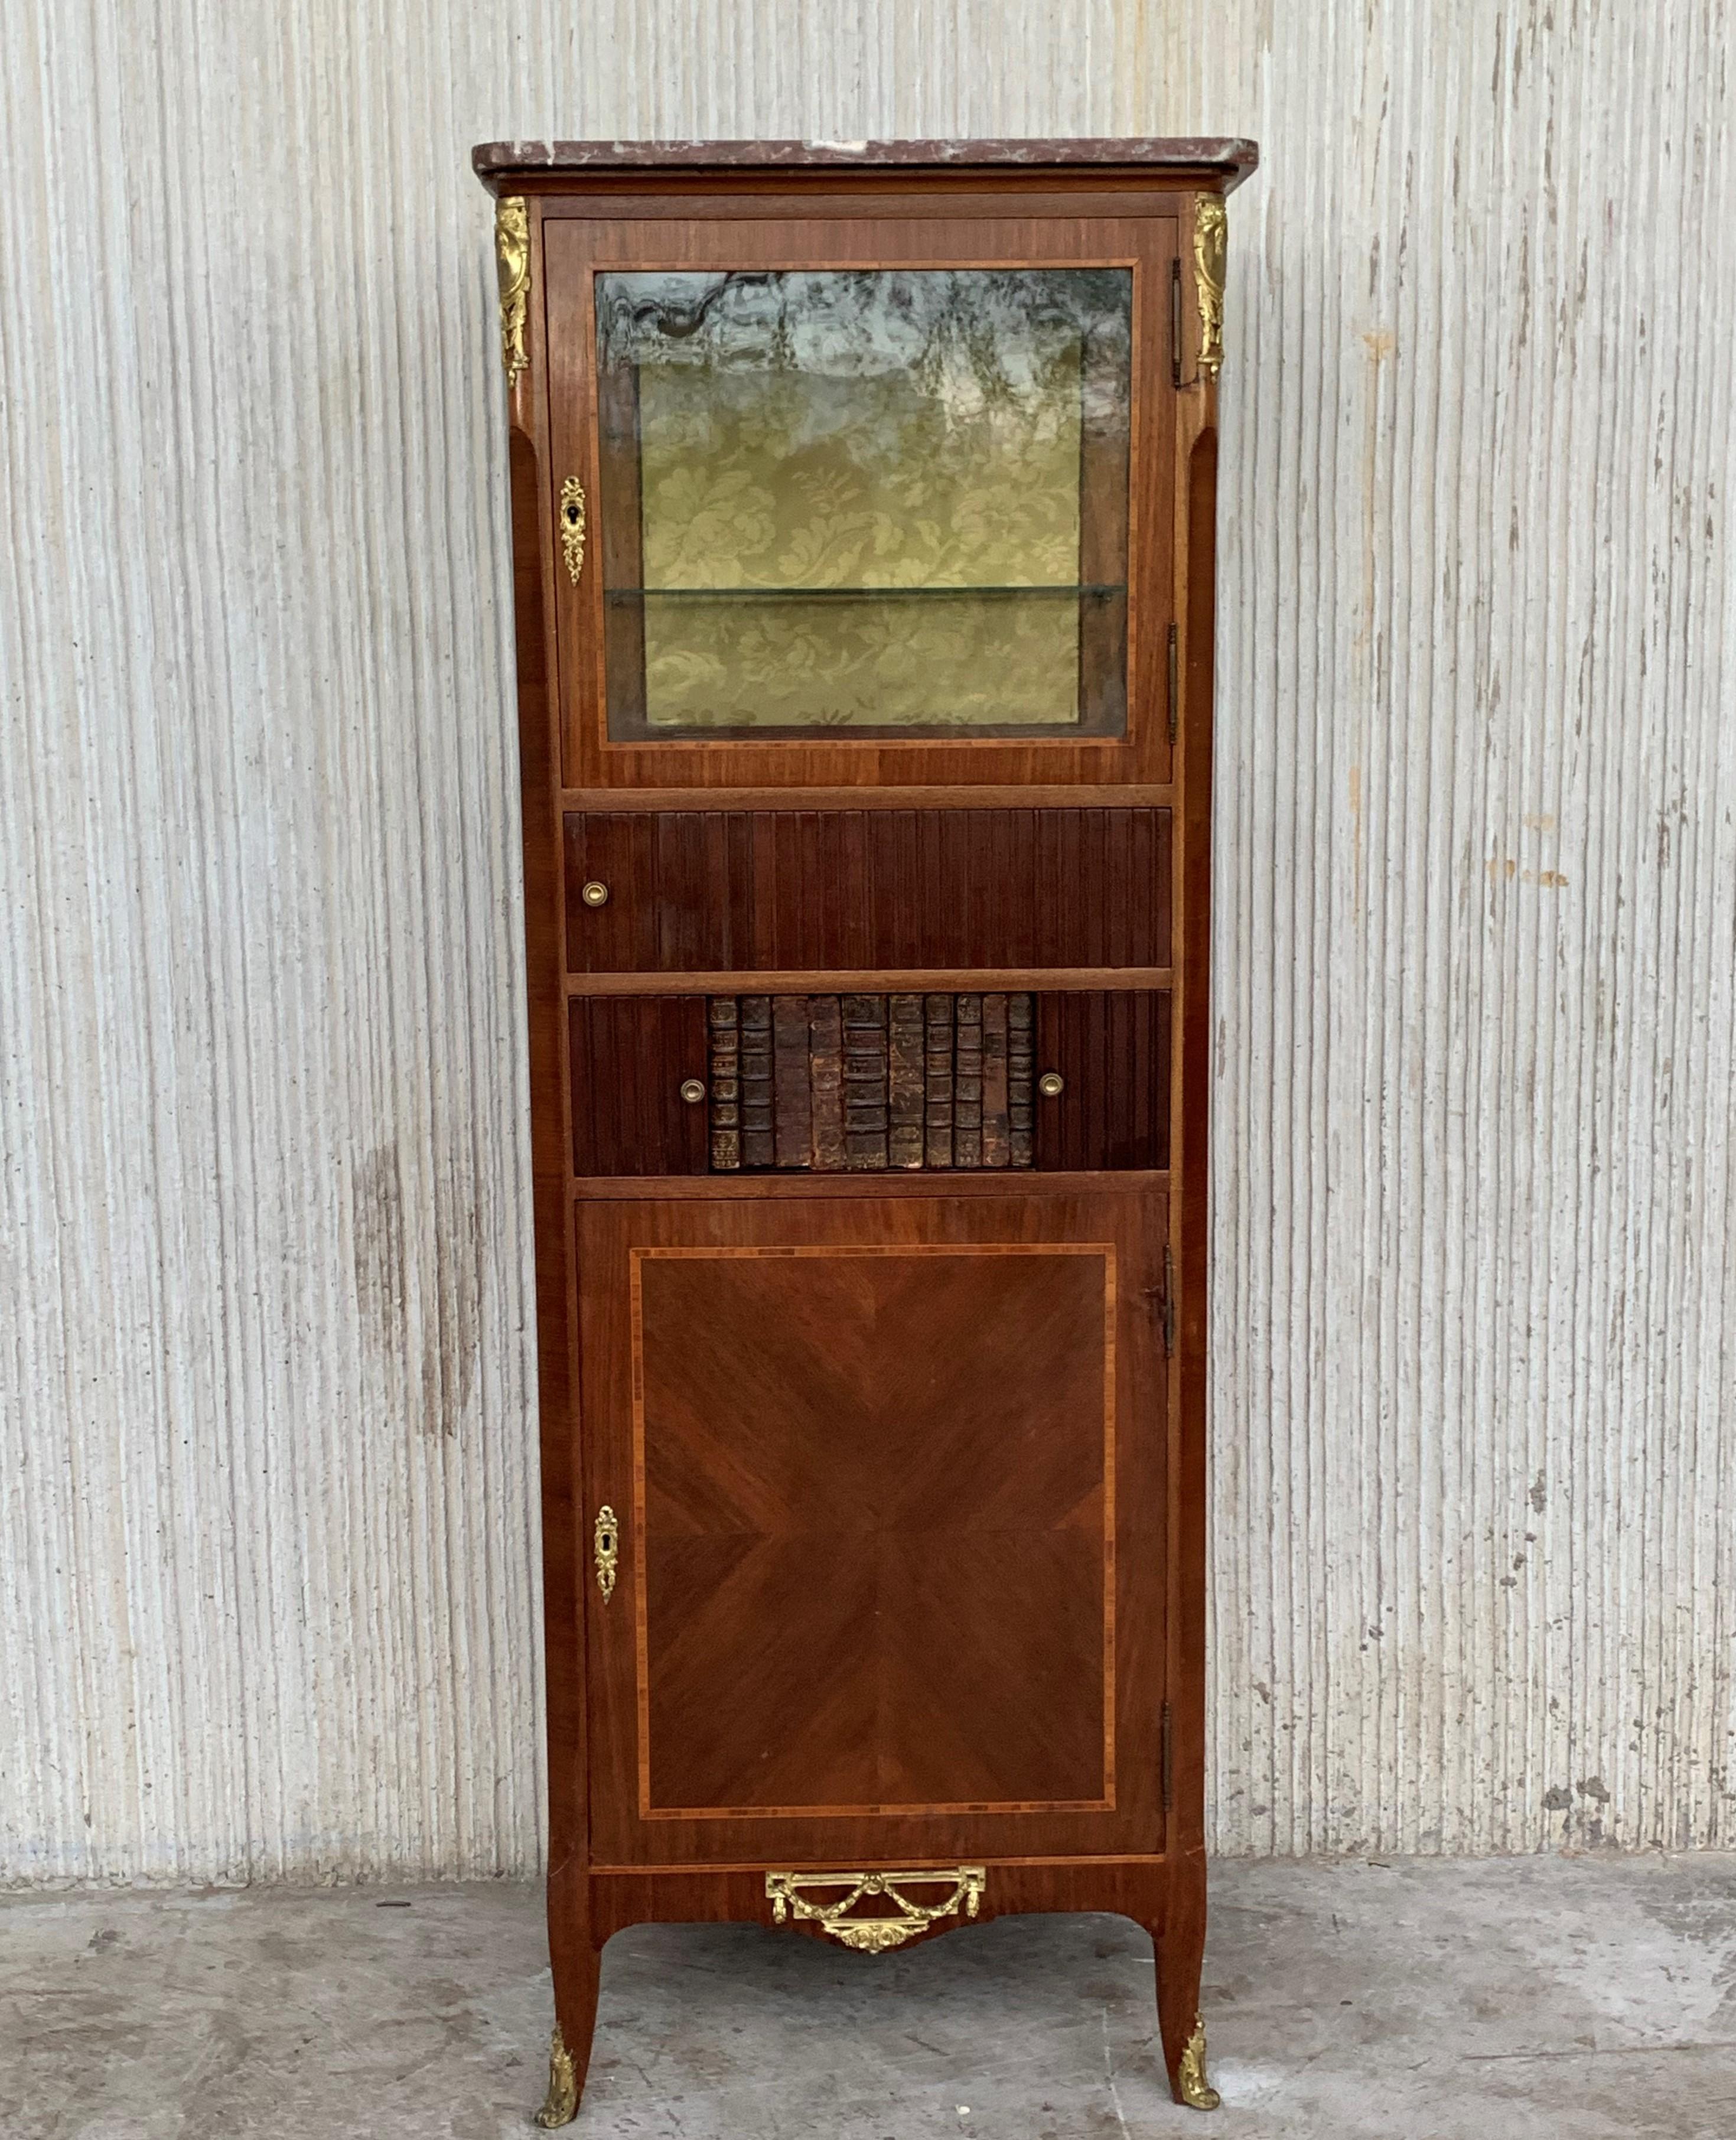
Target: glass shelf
{"points": [[1098, 591]]}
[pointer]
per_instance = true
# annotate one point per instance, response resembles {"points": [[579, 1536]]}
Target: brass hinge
{"points": [[1169, 1761], [1175, 323], [1168, 1302], [1175, 682]]}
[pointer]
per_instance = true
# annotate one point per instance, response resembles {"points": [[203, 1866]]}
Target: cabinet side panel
{"points": [[546, 995], [1189, 1223]]}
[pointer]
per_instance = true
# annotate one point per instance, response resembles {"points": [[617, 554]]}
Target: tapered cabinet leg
{"points": [[1179, 1942], [569, 2048]]}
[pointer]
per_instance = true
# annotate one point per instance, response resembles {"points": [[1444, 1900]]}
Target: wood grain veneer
{"points": [[835, 1339], [816, 890]]}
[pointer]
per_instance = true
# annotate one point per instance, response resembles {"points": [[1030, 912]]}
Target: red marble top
{"points": [[497, 159]]}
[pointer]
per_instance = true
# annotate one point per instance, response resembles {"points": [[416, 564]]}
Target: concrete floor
{"points": [[1570, 1998]]}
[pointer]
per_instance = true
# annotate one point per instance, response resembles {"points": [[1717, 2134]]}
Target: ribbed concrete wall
{"points": [[267, 1542]]}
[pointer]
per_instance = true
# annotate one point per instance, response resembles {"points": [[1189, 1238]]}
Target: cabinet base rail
{"points": [[876, 1911]]}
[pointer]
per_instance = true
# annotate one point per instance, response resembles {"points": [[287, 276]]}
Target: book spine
{"points": [[864, 1082], [996, 1126], [1021, 1076], [725, 1087], [937, 1082], [792, 1107], [968, 1082], [756, 1059], [842, 1083], [905, 1081], [825, 1077]]}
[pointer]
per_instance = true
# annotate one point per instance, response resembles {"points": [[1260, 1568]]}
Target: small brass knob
{"points": [[692, 1091], [1051, 1084], [593, 894]]}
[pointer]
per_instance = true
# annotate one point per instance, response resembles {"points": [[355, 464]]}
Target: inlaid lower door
{"points": [[881, 1577]]}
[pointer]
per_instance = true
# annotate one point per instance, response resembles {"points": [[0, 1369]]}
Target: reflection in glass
{"points": [[892, 500]]}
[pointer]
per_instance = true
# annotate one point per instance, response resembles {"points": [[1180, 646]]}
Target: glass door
{"points": [[913, 508], [876, 502]]}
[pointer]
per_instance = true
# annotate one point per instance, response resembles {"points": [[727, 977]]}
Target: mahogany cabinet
{"points": [[862, 514]]}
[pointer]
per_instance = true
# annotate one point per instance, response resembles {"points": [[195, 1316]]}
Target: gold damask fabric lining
{"points": [[860, 496]]}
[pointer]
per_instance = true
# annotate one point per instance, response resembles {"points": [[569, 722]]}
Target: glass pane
{"points": [[890, 501]]}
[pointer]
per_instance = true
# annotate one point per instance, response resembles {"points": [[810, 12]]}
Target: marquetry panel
{"points": [[859, 1448], [817, 890]]}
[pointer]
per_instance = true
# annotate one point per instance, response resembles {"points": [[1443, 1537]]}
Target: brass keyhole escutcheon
{"points": [[692, 1091], [605, 1549], [1051, 1084], [572, 527], [593, 894]]}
